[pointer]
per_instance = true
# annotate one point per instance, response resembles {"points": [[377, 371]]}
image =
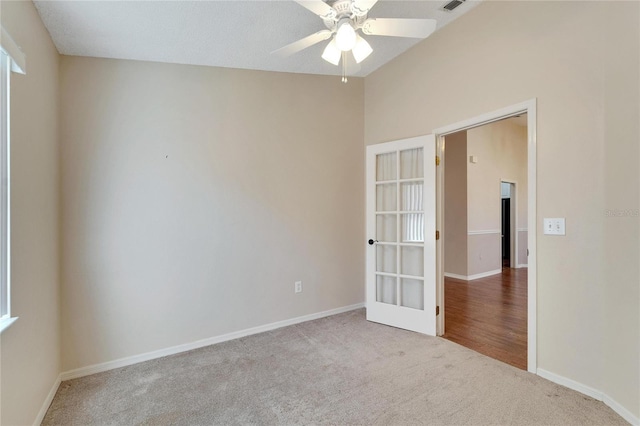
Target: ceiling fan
{"points": [[343, 19]]}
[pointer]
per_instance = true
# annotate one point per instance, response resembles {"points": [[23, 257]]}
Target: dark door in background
{"points": [[506, 232]]}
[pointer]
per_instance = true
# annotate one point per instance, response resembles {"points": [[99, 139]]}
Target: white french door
{"points": [[401, 234]]}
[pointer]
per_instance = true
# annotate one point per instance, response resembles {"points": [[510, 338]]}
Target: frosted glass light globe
{"points": [[346, 37]]}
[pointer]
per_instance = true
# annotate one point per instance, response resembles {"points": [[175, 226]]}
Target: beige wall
{"points": [[500, 149], [455, 204], [523, 244], [472, 195], [484, 253], [194, 197], [622, 186], [564, 63], [31, 346]]}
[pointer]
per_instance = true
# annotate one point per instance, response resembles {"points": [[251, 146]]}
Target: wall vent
{"points": [[452, 5]]}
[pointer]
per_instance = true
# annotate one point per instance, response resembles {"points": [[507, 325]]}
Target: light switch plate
{"points": [[554, 226]]}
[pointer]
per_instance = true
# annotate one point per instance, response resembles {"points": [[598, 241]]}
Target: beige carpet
{"points": [[336, 370]]}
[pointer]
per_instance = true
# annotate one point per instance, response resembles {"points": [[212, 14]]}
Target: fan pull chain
{"points": [[344, 67]]}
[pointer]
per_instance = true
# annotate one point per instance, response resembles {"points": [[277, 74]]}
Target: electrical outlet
{"points": [[298, 287]]}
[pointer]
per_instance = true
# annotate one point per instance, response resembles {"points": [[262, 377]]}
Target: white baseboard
{"points": [[456, 276], [485, 232], [473, 277], [623, 412], [522, 265], [123, 362], [571, 384], [485, 274], [593, 393], [48, 401]]}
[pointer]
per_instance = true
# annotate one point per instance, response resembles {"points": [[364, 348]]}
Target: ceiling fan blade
{"points": [[361, 7], [415, 28], [318, 7], [302, 44]]}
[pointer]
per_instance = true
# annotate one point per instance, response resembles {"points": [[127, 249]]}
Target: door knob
{"points": [[371, 242]]}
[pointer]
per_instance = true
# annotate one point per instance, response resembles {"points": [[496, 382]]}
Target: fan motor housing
{"points": [[343, 10]]}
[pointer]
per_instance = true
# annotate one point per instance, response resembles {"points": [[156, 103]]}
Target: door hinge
{"points": [[437, 160], [437, 235], [437, 310]]}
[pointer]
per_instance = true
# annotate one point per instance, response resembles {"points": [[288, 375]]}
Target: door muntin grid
{"points": [[400, 228]]}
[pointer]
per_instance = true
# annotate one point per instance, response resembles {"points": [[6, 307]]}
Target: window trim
{"points": [[12, 59], [16, 55], [5, 283]]}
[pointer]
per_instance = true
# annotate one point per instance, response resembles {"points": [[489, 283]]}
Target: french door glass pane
{"points": [[386, 230], [411, 196], [386, 165], [411, 164], [386, 289], [396, 197], [412, 261], [412, 293], [386, 259], [413, 227], [386, 197]]}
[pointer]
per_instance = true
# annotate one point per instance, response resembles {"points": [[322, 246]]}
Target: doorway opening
{"points": [[486, 206], [507, 224]]}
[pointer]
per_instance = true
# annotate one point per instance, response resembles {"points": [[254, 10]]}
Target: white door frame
{"points": [[528, 107]]}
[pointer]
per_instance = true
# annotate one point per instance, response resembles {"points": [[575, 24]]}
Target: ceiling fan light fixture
{"points": [[361, 50], [345, 36], [331, 53], [344, 20]]}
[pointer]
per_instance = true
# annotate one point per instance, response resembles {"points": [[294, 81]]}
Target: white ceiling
{"points": [[231, 33]]}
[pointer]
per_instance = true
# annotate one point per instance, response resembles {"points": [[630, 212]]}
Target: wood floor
{"points": [[489, 315]]}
